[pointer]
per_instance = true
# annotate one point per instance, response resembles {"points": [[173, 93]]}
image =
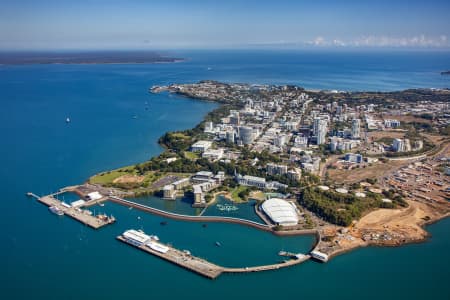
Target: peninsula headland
{"points": [[352, 168], [85, 57], [358, 168]]}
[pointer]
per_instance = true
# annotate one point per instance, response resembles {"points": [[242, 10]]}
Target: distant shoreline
{"points": [[85, 58]]}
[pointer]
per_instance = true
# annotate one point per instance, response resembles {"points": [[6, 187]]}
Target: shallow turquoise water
{"points": [[48, 257]]}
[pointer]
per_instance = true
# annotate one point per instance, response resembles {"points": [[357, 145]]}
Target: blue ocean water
{"points": [[49, 257]]}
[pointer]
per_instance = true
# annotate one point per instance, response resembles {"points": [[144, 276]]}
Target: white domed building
{"points": [[281, 212]]}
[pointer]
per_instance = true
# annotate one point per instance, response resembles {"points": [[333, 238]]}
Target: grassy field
{"points": [[180, 135], [110, 176], [258, 195], [191, 155], [379, 135], [356, 175], [407, 119], [235, 193]]}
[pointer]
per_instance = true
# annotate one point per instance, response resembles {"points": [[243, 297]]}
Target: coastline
{"points": [[332, 253]]}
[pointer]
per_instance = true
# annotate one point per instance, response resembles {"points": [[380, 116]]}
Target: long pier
{"points": [[182, 259], [206, 268], [286, 263], [82, 216]]}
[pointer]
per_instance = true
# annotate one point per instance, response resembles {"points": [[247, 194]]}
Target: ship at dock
{"points": [[139, 238], [56, 210], [107, 219]]}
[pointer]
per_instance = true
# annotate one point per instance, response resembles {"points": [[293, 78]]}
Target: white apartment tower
{"points": [[356, 127]]}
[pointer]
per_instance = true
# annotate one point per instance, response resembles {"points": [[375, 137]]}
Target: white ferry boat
{"points": [[56, 210], [136, 238], [157, 247]]}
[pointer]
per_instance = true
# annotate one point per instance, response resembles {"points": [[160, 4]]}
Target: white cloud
{"points": [[418, 41], [319, 41]]}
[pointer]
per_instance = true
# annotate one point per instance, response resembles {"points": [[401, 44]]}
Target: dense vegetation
{"points": [[412, 95], [342, 209]]}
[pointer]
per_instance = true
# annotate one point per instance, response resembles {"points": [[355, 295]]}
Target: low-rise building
{"points": [[213, 154], [354, 158], [294, 174], [251, 181], [179, 184], [169, 192], [199, 197], [202, 176], [201, 146], [391, 123], [274, 169]]}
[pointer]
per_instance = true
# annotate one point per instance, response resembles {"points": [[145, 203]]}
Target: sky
{"points": [[172, 24]]}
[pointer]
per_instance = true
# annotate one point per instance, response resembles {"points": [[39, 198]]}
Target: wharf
{"points": [[83, 216], [284, 264], [206, 268], [182, 259]]}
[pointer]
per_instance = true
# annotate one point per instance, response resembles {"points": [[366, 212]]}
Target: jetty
{"points": [[81, 215], [183, 259], [203, 267]]}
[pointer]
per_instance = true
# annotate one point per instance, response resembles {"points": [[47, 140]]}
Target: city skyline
{"points": [[29, 25]]}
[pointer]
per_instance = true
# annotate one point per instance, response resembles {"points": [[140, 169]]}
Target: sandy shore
{"points": [[384, 227]]}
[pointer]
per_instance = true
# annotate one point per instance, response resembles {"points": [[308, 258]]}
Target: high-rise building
{"points": [[398, 145], [356, 125], [334, 143], [209, 126], [246, 134], [321, 132], [230, 137], [234, 117], [316, 126]]}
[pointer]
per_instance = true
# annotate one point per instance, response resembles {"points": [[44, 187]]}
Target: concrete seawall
{"points": [[211, 219]]}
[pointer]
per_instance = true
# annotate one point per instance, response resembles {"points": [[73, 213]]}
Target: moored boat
{"points": [[56, 210]]}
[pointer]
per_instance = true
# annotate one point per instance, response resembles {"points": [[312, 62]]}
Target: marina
{"points": [[151, 244]]}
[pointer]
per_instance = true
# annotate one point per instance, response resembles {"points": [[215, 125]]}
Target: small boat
{"points": [[218, 244], [130, 208], [138, 218], [154, 237], [56, 210], [163, 223], [135, 117], [205, 225], [67, 120]]}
